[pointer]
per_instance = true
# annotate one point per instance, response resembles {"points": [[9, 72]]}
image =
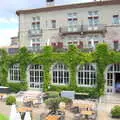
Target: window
{"points": [[60, 74], [90, 21], [72, 40], [35, 44], [38, 25], [116, 19], [90, 13], [116, 44], [36, 76], [93, 18], [72, 21], [86, 75], [35, 23], [95, 13], [53, 22], [33, 26], [93, 40], [33, 18], [37, 18], [15, 72]]}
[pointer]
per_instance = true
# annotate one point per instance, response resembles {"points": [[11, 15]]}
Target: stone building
{"points": [[82, 24]]}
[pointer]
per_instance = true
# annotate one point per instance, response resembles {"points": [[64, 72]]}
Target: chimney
{"points": [[50, 3]]}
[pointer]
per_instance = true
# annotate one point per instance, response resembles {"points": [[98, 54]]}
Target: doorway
{"points": [[112, 76], [117, 82]]}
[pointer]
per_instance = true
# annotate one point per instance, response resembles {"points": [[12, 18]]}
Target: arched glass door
{"points": [[113, 78]]}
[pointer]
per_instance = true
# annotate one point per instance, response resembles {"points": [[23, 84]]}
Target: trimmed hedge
{"points": [[116, 111], [16, 87], [10, 100]]}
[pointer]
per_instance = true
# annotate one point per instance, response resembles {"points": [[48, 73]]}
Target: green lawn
{"points": [[3, 117]]}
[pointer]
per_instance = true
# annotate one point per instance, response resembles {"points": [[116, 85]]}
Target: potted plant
{"points": [[115, 112]]}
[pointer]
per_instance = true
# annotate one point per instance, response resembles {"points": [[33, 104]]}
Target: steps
{"points": [[112, 98]]}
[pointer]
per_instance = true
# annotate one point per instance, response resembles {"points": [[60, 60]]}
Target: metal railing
{"points": [[34, 50], [82, 29], [35, 32]]}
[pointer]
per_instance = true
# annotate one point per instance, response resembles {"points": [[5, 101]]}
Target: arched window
{"points": [[14, 72], [36, 76], [86, 75], [60, 74]]}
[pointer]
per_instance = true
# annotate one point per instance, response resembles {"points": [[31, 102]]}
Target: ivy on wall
{"points": [[72, 58]]}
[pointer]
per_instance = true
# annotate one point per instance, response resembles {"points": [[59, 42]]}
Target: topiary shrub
{"points": [[53, 104], [66, 100], [10, 100], [116, 111]]}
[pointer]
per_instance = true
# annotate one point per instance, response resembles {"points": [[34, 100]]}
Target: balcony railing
{"points": [[81, 29], [35, 50], [35, 32], [13, 50]]}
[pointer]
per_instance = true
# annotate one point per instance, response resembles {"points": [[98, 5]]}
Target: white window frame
{"points": [[59, 69], [53, 24], [91, 80], [35, 26], [116, 20], [93, 21], [14, 73], [36, 42], [33, 71]]}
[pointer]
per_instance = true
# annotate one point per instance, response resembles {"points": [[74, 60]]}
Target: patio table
{"points": [[52, 117], [24, 109], [86, 112]]}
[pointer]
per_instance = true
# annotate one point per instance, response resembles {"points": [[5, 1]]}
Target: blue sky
{"points": [[9, 20]]}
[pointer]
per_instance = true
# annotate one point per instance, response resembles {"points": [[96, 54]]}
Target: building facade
{"points": [[84, 24]]}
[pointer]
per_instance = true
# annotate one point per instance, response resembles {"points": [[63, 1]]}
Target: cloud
{"points": [[5, 36], [9, 20]]}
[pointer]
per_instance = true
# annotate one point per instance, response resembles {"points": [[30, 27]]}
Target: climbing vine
{"points": [[71, 58]]}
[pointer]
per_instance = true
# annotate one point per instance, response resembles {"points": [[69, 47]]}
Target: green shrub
{"points": [[53, 103], [65, 100], [16, 87], [116, 111], [52, 94], [10, 100]]}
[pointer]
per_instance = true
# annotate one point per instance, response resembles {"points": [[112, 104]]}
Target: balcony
{"points": [[82, 29], [70, 30], [13, 50], [35, 32], [35, 49], [94, 29]]}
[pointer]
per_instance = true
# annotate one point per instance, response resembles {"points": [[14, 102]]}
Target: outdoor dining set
{"points": [[84, 110]]}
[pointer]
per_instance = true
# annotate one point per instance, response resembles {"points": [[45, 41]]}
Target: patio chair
{"points": [[75, 109], [92, 117]]}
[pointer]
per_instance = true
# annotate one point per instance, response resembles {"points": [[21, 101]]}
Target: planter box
{"points": [[116, 117]]}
